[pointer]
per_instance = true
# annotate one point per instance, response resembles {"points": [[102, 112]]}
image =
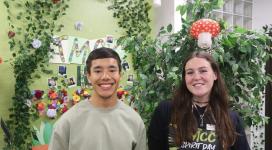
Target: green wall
{"points": [[98, 22], [6, 77]]}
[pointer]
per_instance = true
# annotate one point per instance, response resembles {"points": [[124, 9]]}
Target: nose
{"points": [[197, 76], [105, 76]]}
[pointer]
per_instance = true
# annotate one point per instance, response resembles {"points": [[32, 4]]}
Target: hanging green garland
{"points": [[132, 16], [32, 25]]}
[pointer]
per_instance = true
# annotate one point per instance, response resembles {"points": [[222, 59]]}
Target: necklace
{"points": [[196, 101], [200, 115]]}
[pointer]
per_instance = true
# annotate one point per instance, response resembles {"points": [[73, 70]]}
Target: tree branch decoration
{"points": [[241, 54], [32, 25]]}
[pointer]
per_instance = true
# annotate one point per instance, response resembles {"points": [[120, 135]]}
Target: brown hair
{"points": [[182, 115]]}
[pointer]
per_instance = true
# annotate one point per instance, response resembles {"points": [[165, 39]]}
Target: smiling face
{"points": [[104, 75], [199, 78]]}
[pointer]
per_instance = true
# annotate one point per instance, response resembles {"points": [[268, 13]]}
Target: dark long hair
{"points": [[182, 115]]}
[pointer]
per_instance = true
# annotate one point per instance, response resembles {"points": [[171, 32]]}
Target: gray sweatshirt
{"points": [[85, 127]]}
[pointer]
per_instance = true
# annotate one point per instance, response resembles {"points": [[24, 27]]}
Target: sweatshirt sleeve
{"points": [[60, 136], [158, 128], [241, 142], [141, 138]]}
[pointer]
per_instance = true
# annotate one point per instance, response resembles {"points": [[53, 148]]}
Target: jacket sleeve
{"points": [[60, 136], [158, 128], [241, 142]]}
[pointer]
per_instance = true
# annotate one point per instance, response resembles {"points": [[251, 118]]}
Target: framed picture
{"points": [[130, 78], [71, 82], [109, 39], [51, 82], [62, 70], [125, 66]]}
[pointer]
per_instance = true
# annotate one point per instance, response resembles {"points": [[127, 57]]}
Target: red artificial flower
{"points": [[64, 109], [52, 94], [61, 101], [11, 34], [51, 91], [120, 93], [38, 94], [64, 92], [40, 106], [56, 1], [50, 106], [1, 60]]}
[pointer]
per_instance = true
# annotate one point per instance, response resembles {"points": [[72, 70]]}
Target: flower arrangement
{"points": [[56, 101], [121, 93], [80, 94], [124, 95]]}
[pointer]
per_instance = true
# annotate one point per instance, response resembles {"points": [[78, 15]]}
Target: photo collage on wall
{"points": [[66, 89], [75, 50]]}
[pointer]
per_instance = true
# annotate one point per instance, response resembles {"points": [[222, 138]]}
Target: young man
{"points": [[101, 122]]}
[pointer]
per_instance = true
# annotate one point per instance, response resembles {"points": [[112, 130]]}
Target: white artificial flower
{"points": [[177, 49], [78, 25], [28, 103], [56, 40], [52, 46], [36, 43], [51, 113]]}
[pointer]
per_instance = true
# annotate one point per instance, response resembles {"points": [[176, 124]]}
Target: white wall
{"points": [[164, 14], [262, 13]]}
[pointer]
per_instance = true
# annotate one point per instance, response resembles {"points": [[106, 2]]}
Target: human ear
{"points": [[214, 76]]}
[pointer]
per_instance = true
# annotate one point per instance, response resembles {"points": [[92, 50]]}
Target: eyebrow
{"points": [[110, 67], [189, 69], [203, 67], [113, 67]]}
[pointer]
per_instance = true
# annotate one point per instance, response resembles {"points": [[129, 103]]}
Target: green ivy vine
{"points": [[132, 16], [241, 54], [32, 25]]}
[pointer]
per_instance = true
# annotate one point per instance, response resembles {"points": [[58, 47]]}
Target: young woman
{"points": [[198, 117]]}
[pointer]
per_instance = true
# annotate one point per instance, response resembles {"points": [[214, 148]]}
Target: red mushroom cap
{"points": [[205, 25]]}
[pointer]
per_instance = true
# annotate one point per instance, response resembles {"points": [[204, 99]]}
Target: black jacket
{"points": [[159, 129]]}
